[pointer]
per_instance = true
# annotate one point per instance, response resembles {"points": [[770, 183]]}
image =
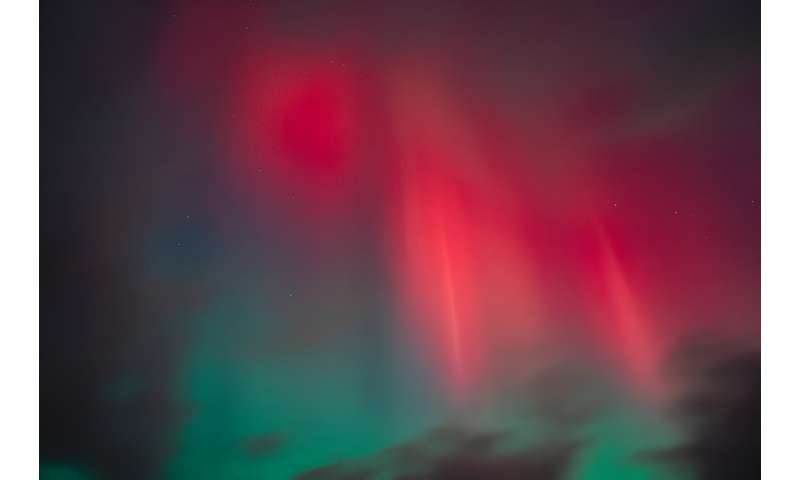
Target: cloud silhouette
{"points": [[720, 409], [457, 453]]}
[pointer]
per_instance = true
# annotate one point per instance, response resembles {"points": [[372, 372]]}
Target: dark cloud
{"points": [[562, 398], [262, 445], [721, 410], [544, 463], [457, 453], [336, 472]]}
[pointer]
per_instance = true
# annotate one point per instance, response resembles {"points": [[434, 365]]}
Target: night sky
{"points": [[413, 240]]}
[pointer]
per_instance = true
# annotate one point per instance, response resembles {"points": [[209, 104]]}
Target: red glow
{"points": [[463, 265], [295, 117], [629, 330], [488, 192]]}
